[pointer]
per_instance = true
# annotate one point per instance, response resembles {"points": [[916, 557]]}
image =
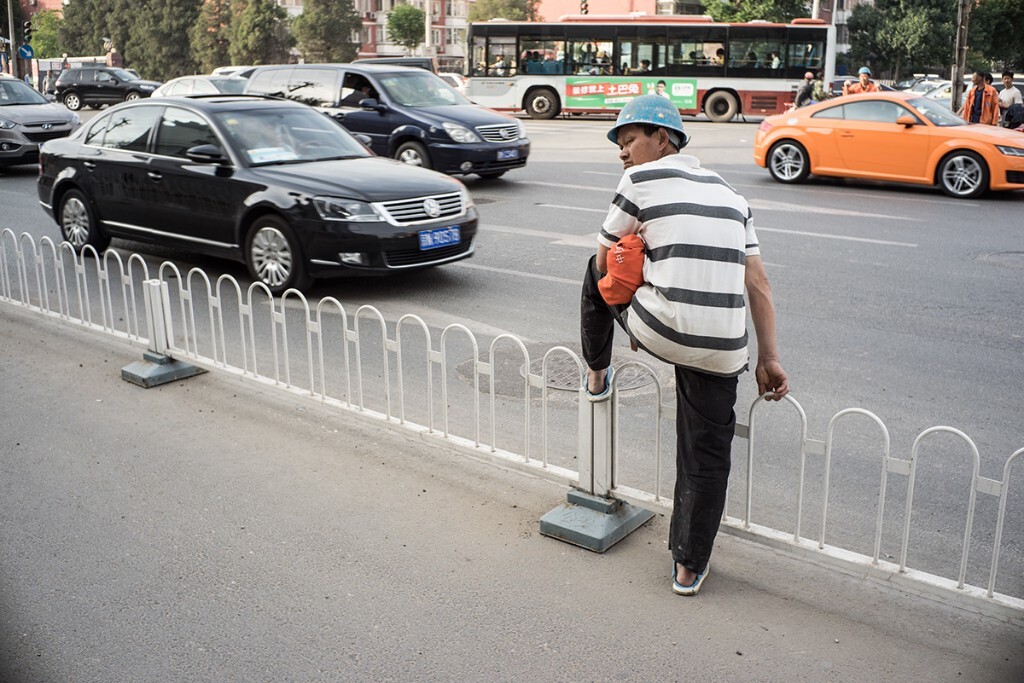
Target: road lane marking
{"points": [[507, 271], [589, 240], [769, 205], [572, 208], [847, 194], [566, 186], [847, 238]]}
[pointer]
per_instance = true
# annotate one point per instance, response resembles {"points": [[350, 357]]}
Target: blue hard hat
{"points": [[864, 70], [650, 109]]}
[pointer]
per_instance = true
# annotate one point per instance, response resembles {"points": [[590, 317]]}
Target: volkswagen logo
{"points": [[47, 126], [432, 208]]}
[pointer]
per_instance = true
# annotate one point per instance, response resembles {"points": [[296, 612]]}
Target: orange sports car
{"points": [[891, 136]]}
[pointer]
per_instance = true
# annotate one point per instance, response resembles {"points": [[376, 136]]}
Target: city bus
{"points": [[590, 63]]}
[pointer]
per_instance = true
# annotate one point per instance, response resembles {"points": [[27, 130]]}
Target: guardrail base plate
{"points": [[155, 369], [592, 522]]}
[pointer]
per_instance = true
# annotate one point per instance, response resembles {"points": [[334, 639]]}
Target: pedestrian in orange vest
{"points": [[982, 105], [864, 84]]}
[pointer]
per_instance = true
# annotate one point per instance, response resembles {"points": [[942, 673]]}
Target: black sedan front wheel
{"points": [[274, 256], [78, 223]]}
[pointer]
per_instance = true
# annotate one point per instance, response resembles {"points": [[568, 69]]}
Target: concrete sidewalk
{"points": [[213, 531]]}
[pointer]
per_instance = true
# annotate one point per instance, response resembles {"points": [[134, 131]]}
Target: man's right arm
{"points": [[769, 373]]}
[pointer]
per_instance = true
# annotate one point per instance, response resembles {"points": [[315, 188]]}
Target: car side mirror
{"points": [[907, 120], [206, 154], [365, 139], [372, 104]]}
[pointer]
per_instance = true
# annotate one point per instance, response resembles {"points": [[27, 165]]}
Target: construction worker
{"points": [[982, 103], [864, 84]]}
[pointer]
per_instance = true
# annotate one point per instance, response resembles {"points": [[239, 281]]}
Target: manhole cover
{"points": [[564, 374], [1008, 259]]}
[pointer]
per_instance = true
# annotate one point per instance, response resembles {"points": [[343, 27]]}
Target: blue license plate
{"points": [[508, 154], [440, 237]]}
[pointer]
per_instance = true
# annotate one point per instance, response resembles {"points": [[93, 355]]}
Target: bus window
{"points": [[698, 51], [541, 56], [590, 57], [806, 55], [642, 56], [501, 56], [478, 56], [806, 51], [755, 51]]}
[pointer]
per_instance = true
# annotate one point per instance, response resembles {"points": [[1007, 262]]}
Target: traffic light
{"points": [[26, 30], [584, 9]]}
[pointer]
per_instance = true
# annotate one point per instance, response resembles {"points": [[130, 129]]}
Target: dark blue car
{"points": [[409, 114]]}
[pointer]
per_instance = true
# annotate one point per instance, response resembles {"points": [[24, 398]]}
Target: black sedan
{"points": [[272, 183]]}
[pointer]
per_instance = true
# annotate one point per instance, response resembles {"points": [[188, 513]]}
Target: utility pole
{"points": [[12, 57], [427, 27], [963, 15]]}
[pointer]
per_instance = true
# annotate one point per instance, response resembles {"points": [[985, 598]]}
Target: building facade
{"points": [[448, 26]]}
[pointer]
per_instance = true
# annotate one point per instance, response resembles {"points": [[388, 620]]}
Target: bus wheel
{"points": [[542, 103], [721, 106]]}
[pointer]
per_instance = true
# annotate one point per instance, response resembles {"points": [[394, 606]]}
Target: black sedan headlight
{"points": [[339, 209]]}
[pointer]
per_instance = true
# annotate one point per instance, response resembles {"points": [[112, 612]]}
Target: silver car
{"points": [[27, 119]]}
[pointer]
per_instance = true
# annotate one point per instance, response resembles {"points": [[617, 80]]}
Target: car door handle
{"points": [[846, 134], [91, 165], [153, 175]]}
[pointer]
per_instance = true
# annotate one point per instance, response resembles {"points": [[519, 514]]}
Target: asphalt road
{"points": [[897, 300]]}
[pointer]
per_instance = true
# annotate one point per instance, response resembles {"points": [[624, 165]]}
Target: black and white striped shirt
{"points": [[698, 231]]}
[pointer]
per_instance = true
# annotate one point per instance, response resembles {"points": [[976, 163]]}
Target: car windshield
{"points": [[123, 75], [420, 89], [231, 86], [288, 136], [935, 112], [13, 92]]}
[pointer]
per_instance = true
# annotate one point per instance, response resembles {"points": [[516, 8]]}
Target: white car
{"points": [[455, 80], [201, 85]]}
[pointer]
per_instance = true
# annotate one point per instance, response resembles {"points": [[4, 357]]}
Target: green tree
{"points": [[751, 10], [83, 28], [995, 32], [259, 33], [160, 46], [209, 35], [46, 34], [513, 10], [901, 36], [405, 26], [324, 29]]}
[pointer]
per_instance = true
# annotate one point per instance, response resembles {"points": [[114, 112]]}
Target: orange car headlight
{"points": [[1011, 151]]}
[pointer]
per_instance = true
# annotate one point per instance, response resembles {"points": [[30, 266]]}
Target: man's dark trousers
{"points": [[705, 423]]}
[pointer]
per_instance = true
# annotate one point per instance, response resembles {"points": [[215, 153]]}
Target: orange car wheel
{"points": [[788, 162], [963, 175]]}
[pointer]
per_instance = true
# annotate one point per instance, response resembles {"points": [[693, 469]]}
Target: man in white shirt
{"points": [[1009, 95], [701, 255]]}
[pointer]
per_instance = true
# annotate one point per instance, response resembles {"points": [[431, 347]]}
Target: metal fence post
{"points": [[589, 518], [157, 367]]}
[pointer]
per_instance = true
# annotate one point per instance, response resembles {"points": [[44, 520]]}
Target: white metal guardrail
{"points": [[289, 344]]}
